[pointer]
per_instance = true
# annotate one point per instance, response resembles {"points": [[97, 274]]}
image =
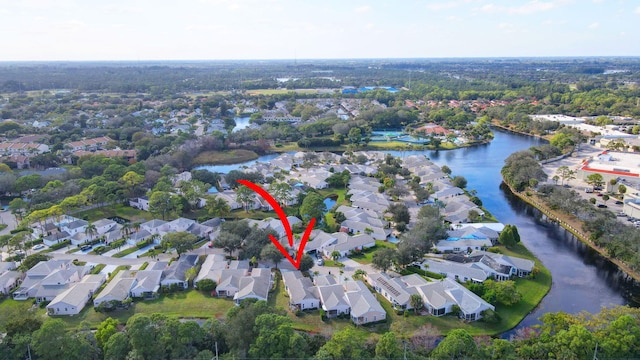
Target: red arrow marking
{"points": [[285, 223]]}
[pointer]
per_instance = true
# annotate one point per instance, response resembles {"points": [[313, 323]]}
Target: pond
{"points": [[330, 203]]}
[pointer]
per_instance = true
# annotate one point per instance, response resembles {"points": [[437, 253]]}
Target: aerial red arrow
{"points": [[285, 223]]}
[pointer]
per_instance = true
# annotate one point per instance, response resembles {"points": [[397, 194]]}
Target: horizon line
{"points": [[331, 59]]}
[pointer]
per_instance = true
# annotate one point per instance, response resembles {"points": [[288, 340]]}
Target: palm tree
{"points": [[416, 302], [90, 231], [218, 206], [246, 196], [335, 255], [126, 229], [136, 226]]}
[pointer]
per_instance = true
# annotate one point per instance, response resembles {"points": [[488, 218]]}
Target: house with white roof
{"points": [[254, 286], [9, 278], [228, 281], [138, 236], [498, 266], [464, 239], [147, 283], [365, 308], [117, 290], [439, 297], [49, 278], [153, 226], [303, 295], [346, 244], [454, 270], [209, 268], [104, 225], [333, 300], [397, 290], [74, 226], [72, 300], [56, 238]]}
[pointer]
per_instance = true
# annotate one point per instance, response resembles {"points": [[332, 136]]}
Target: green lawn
{"points": [[126, 252], [188, 304], [125, 212], [224, 157], [366, 256]]}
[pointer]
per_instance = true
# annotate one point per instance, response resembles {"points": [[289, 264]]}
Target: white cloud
{"points": [[594, 25], [531, 7], [442, 5], [554, 22], [454, 18], [598, 1], [73, 26], [370, 26], [363, 9], [637, 10]]}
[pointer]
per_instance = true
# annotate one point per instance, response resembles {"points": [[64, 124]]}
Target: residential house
{"points": [[47, 279], [498, 266], [139, 236], [118, 289], [439, 297], [104, 225], [464, 239], [25, 149], [228, 281], [364, 306], [333, 300], [229, 196], [55, 238], [255, 286], [153, 226], [454, 270], [303, 295], [72, 300], [396, 290], [177, 225], [448, 193], [9, 278], [457, 210], [141, 203], [210, 267], [147, 283], [89, 144], [114, 234], [74, 226], [345, 244], [176, 272]]}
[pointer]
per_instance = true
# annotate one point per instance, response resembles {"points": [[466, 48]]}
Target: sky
{"points": [[77, 30]]}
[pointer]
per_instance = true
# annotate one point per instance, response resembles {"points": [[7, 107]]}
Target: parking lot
{"points": [[580, 186]]}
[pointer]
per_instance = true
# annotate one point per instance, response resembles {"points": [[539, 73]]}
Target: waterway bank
{"points": [[571, 225]]}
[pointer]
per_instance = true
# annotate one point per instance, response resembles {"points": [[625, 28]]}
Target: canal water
{"points": [[582, 279]]}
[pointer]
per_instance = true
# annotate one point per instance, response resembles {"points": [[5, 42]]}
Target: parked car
{"points": [[38, 247], [320, 262], [85, 247], [618, 202], [602, 206]]}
